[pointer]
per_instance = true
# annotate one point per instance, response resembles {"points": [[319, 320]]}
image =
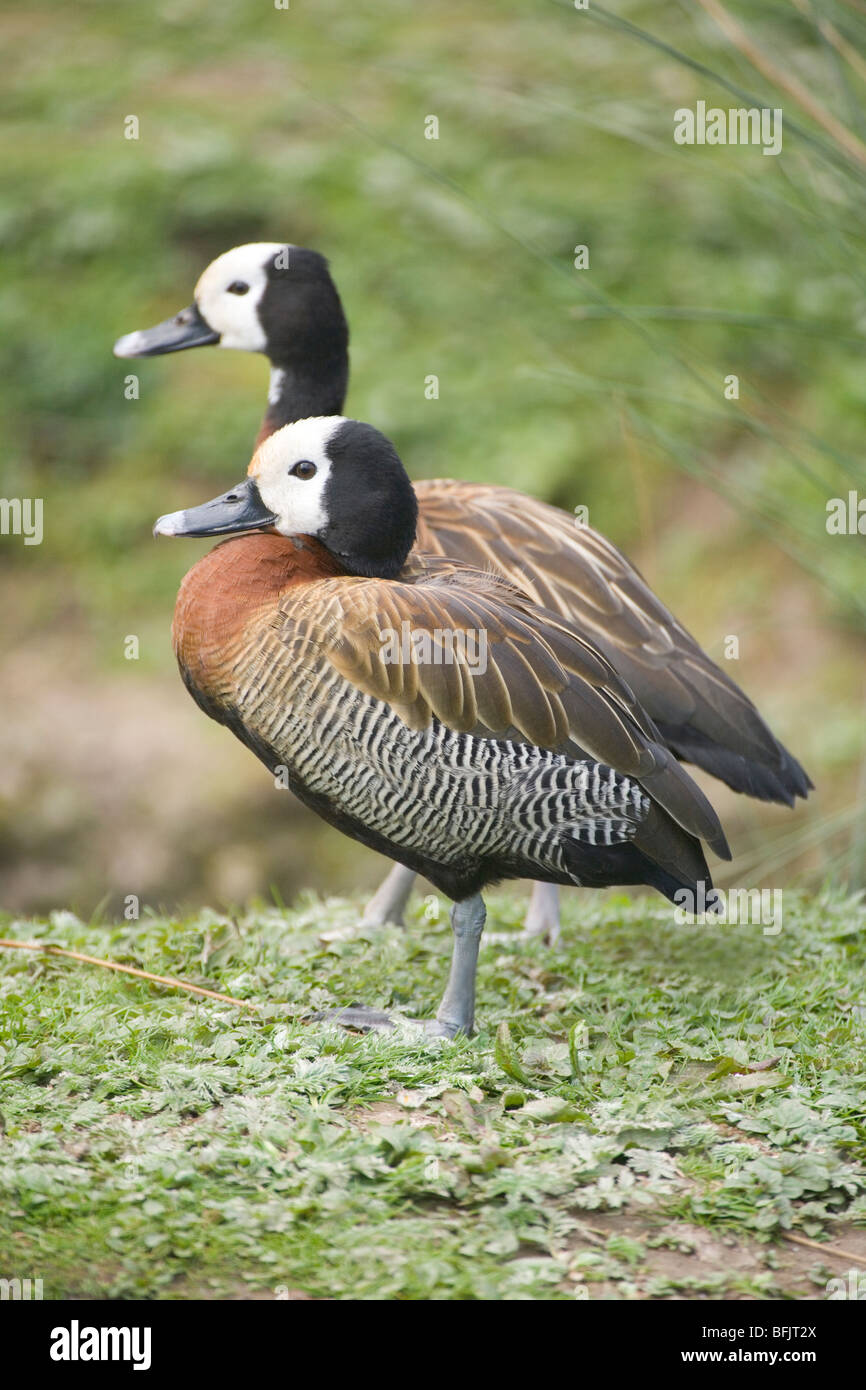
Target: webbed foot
{"points": [[362, 1018]]}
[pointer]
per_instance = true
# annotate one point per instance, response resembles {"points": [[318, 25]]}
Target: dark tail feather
{"points": [[782, 781], [594, 866]]}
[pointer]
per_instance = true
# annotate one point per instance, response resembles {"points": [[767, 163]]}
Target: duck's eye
{"points": [[304, 469], [238, 287]]}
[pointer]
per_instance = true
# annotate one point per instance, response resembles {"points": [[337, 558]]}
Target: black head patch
{"points": [[370, 502], [300, 311]]}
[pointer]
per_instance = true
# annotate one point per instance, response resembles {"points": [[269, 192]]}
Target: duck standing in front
{"points": [[536, 762]]}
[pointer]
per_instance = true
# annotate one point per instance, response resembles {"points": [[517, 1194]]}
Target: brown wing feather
{"points": [[575, 572], [540, 678]]}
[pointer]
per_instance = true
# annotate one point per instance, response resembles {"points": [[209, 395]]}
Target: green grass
{"points": [[607, 1114]]}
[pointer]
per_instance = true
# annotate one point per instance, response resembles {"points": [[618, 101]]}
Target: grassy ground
{"points": [[648, 1110]]}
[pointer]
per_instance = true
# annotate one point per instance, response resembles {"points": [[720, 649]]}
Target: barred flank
{"points": [[452, 794]]}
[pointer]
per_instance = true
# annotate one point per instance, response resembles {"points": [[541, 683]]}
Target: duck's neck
{"points": [[296, 392]]}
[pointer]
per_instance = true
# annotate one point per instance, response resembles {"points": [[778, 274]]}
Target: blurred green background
{"points": [[602, 387]]}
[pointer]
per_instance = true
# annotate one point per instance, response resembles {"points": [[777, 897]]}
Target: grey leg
{"points": [[542, 918], [389, 901], [456, 1013]]}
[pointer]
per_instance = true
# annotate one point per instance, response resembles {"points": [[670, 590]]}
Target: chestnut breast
{"points": [[225, 598]]}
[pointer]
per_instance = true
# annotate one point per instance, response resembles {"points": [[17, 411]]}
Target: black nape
{"points": [[371, 504], [307, 339]]}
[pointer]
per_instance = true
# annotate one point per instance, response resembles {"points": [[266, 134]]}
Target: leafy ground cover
{"points": [[647, 1111]]}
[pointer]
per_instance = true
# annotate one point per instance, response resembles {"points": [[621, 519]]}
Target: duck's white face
{"points": [[291, 471], [284, 489], [229, 292], [336, 479]]}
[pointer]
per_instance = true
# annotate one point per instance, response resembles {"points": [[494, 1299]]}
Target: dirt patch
{"points": [[686, 1257], [393, 1112]]}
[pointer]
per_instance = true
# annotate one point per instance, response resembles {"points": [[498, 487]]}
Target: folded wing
{"points": [[475, 653], [574, 571]]}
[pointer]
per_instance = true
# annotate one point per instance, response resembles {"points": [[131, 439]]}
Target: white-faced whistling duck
{"points": [[336, 651]]}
